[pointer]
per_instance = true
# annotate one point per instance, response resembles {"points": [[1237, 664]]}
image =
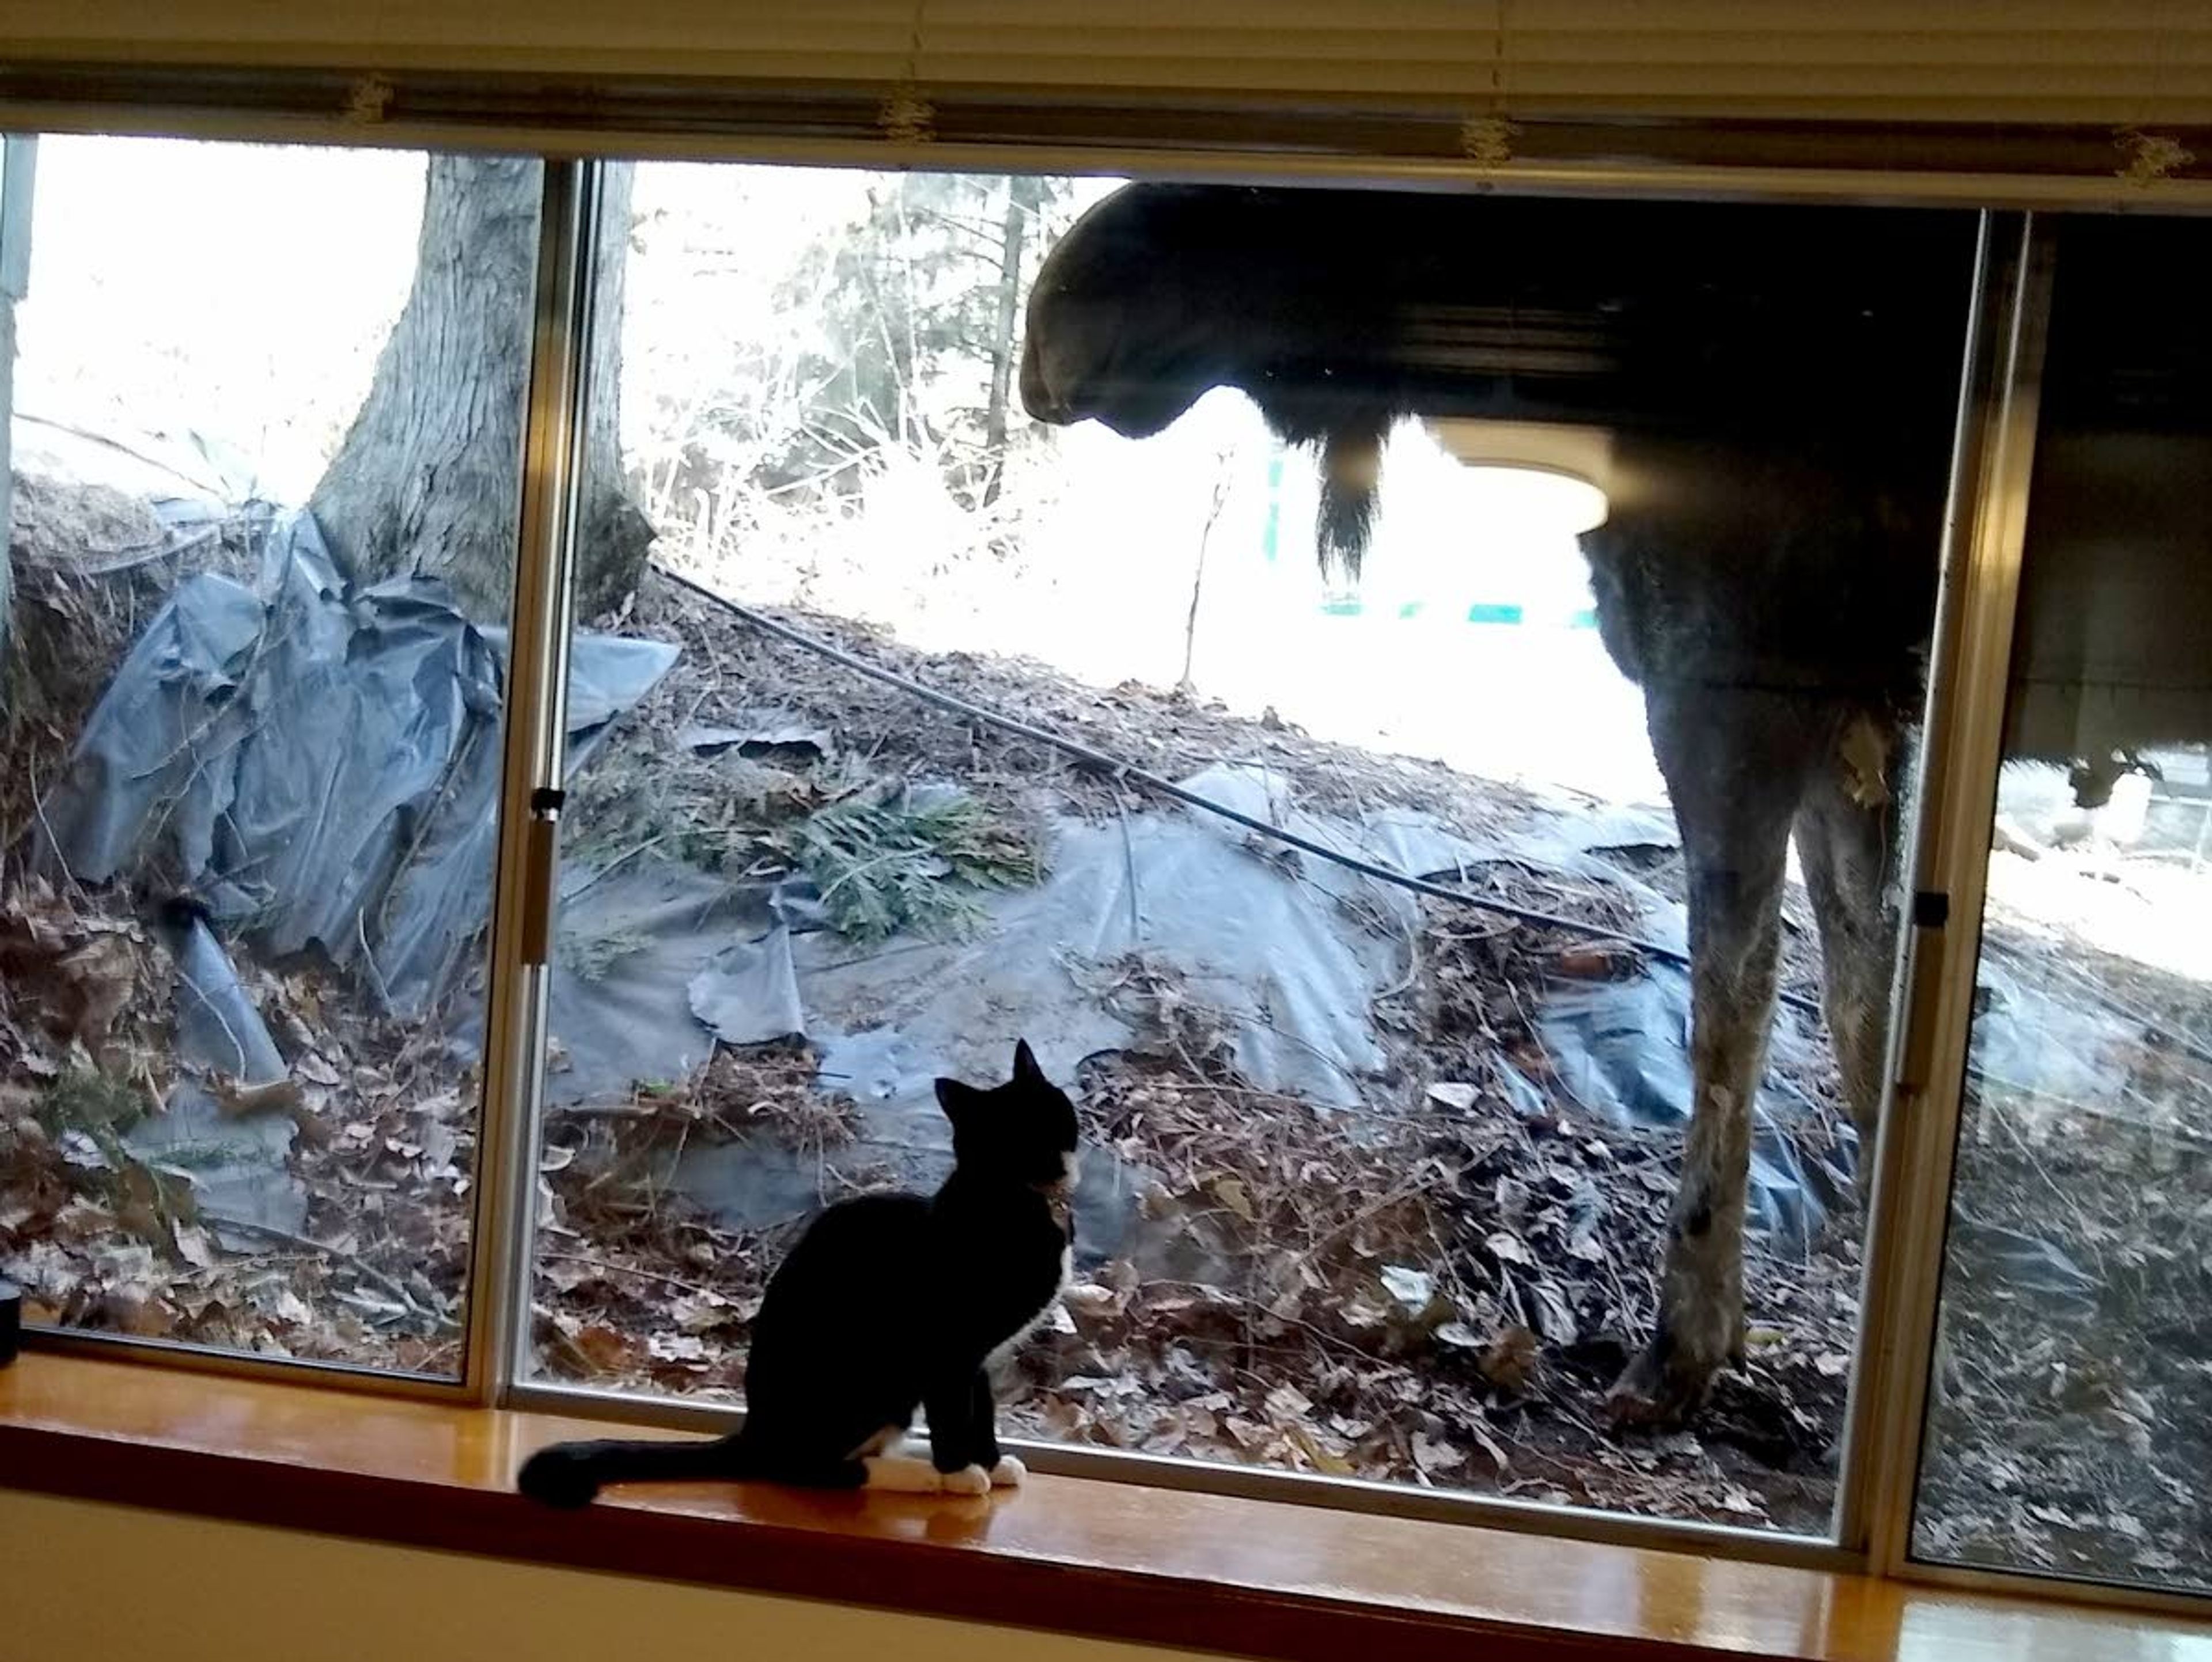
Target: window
{"points": [[2073, 1371], [1409, 700], [266, 425], [1385, 1173]]}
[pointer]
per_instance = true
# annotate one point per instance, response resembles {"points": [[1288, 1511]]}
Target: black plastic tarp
{"points": [[319, 763]]}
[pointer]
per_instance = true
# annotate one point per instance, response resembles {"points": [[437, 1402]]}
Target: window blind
{"points": [[2141, 67]]}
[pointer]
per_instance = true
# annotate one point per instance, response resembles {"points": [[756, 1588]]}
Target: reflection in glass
{"points": [[2071, 1426], [266, 421]]}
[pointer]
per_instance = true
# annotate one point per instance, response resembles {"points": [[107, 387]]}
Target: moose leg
{"points": [[1734, 762], [1844, 832]]}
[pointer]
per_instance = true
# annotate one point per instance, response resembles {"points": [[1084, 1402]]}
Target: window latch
{"points": [[540, 856]]}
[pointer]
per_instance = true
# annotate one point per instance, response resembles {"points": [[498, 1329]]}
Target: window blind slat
{"points": [[2113, 62]]}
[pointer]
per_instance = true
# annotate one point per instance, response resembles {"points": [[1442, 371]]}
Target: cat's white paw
{"points": [[901, 1474], [1009, 1473], [969, 1480]]}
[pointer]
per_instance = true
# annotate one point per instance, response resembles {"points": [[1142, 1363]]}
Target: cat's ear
{"points": [[1025, 1065], [959, 1101]]}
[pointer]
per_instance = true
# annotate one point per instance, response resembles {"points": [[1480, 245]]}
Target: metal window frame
{"points": [[503, 1233], [1992, 463]]}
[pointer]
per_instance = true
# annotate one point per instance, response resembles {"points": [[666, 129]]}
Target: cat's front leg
{"points": [[1006, 1472], [952, 1446]]}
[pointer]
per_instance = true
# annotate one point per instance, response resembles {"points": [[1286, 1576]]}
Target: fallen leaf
{"points": [[1553, 1315], [1323, 1457], [1361, 1313], [290, 1307], [684, 1349], [315, 1071], [79, 1150], [1288, 1402], [1476, 1430], [1412, 1288], [603, 1348], [1089, 1302], [1431, 1455], [1599, 961], [236, 1100], [1509, 1248], [1229, 1191], [195, 1246], [1510, 1360]]}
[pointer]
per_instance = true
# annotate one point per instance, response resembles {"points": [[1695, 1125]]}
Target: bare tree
{"points": [[429, 478], [1025, 195]]}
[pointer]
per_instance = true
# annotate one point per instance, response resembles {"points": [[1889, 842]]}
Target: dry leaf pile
{"points": [[2072, 1428], [637, 1287], [102, 1236]]}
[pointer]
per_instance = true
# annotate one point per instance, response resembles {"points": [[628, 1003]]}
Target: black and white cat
{"points": [[889, 1303]]}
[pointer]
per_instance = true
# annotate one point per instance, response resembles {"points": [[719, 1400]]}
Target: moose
{"points": [[1780, 388]]}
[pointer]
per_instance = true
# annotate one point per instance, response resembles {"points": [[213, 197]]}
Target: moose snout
{"points": [[1037, 396]]}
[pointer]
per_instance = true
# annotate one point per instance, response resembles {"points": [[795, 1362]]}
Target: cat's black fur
{"points": [[887, 1303]]}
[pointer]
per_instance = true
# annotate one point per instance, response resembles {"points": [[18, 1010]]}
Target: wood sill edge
{"points": [[1079, 1558], [637, 1537]]}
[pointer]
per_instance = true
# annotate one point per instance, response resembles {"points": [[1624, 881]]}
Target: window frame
{"points": [[1991, 468]]}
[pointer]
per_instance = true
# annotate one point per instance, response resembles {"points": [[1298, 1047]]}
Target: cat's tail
{"points": [[571, 1474]]}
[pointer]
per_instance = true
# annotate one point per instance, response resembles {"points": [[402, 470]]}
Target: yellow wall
{"points": [[87, 1583]]}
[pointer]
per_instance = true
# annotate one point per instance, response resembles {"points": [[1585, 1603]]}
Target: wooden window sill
{"points": [[1103, 1560]]}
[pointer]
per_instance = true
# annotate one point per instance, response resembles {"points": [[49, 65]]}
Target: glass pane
{"points": [[266, 412], [2071, 1430], [1379, 1181]]}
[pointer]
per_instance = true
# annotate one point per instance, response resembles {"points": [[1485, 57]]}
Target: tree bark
{"points": [[1024, 195], [428, 479], [614, 533]]}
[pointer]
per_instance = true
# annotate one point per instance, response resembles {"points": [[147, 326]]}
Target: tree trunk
{"points": [[428, 479], [1023, 196], [613, 532]]}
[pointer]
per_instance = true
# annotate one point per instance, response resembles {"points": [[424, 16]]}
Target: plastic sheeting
{"points": [[1622, 1049], [320, 763], [1284, 954], [235, 1163]]}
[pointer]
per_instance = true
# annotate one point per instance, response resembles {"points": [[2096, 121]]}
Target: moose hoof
{"points": [[1664, 1386]]}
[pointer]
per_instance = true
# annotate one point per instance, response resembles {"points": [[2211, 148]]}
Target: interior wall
{"points": [[103, 1583]]}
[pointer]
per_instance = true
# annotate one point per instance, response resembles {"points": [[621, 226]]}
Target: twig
{"points": [[361, 1266], [1129, 869], [629, 1269], [39, 808], [614, 864]]}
